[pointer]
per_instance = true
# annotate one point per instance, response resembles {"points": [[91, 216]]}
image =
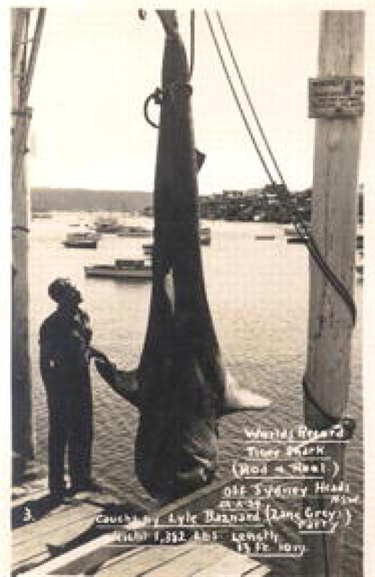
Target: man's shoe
{"points": [[57, 495], [89, 485]]}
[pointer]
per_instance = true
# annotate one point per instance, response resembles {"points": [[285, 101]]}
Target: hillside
{"points": [[67, 199]]}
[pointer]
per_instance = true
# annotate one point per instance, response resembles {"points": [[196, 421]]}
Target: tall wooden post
{"points": [[23, 58], [334, 220]]}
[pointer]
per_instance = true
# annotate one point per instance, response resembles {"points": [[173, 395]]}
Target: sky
{"points": [[98, 62]]}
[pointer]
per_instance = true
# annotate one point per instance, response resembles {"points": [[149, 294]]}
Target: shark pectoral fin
{"points": [[124, 383], [238, 398]]}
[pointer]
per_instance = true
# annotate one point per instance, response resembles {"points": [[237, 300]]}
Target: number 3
{"points": [[27, 515]]}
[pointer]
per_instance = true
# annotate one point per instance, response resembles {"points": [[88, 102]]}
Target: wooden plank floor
{"points": [[200, 560], [33, 541], [38, 546]]}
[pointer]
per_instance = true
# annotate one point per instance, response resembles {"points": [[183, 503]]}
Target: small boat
{"points": [[132, 269], [41, 214], [297, 239], [289, 231], [205, 235], [265, 237], [134, 231], [359, 268], [81, 240], [107, 225], [292, 236], [147, 249]]}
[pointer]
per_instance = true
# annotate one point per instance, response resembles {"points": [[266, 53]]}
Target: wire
{"points": [[237, 99], [284, 194], [244, 87], [192, 42]]}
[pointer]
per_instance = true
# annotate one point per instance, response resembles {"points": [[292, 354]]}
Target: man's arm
{"points": [[46, 356]]}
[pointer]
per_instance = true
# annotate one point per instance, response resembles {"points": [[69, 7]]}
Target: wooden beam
{"points": [[334, 220], [34, 52], [22, 74]]}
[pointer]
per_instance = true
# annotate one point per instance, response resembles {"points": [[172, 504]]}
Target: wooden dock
{"points": [[63, 540]]}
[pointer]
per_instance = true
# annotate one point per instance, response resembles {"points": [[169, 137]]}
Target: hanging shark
{"points": [[180, 387]]}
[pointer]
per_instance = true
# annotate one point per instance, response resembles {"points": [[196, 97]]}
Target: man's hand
{"points": [[98, 355], [106, 369]]}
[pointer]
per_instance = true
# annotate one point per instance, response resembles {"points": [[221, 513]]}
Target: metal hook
{"points": [[157, 97]]}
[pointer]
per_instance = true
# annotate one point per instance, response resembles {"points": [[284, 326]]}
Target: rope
{"points": [[157, 97], [244, 87], [283, 195], [226, 71], [348, 424], [192, 43], [20, 227]]}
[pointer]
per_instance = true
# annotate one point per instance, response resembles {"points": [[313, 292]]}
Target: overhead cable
{"points": [[284, 196]]}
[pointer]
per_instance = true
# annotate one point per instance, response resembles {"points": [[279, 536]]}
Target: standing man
{"points": [[64, 364]]}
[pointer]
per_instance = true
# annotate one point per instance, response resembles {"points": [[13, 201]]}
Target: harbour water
{"points": [[258, 294]]}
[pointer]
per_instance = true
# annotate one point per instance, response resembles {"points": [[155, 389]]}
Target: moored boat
{"points": [[81, 240], [41, 213], [292, 236], [132, 269], [107, 225], [265, 237], [296, 239], [359, 267], [289, 231], [147, 249], [205, 235], [134, 231]]}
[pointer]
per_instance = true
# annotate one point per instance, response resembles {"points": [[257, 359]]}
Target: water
{"points": [[258, 294]]}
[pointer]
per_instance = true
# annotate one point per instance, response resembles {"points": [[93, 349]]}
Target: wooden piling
{"points": [[23, 65], [334, 220]]}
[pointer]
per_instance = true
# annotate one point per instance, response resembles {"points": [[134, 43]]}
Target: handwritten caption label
{"points": [[285, 484]]}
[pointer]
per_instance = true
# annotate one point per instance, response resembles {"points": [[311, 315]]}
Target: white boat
{"points": [[81, 240], [107, 225], [134, 231], [133, 269]]}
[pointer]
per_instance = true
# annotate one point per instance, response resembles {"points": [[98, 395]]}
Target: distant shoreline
{"points": [[82, 199]]}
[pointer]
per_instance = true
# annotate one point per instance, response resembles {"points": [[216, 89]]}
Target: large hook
{"points": [[157, 97]]}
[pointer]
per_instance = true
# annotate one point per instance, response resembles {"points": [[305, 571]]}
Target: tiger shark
{"points": [[181, 387]]}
